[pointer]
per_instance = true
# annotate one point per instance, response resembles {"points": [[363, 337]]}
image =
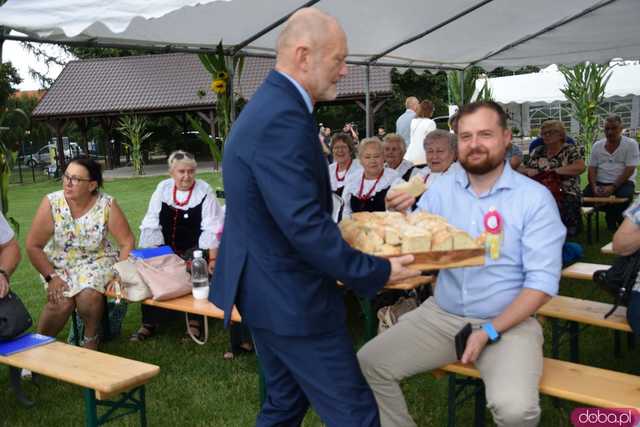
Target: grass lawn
{"points": [[196, 387]]}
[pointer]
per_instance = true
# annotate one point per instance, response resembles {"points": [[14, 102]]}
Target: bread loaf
{"points": [[394, 233]]}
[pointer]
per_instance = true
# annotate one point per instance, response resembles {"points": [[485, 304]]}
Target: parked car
{"points": [[43, 157]]}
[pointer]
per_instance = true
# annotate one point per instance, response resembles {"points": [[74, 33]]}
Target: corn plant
{"points": [[585, 86], [6, 165], [134, 128]]}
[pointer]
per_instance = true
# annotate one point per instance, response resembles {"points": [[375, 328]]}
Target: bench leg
{"points": [[74, 325], [597, 214], [555, 339], [16, 385], [90, 408], [589, 220], [106, 329], [370, 320], [574, 344], [143, 407], [126, 404], [617, 346], [451, 402], [458, 387]]}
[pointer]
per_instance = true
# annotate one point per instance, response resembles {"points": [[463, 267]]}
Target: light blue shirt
{"points": [[303, 92], [403, 125], [531, 248]]}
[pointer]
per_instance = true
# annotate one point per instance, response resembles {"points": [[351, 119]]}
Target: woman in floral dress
{"points": [[558, 165], [68, 244]]}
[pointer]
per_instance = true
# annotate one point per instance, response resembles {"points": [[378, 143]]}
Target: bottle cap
{"points": [[197, 254]]}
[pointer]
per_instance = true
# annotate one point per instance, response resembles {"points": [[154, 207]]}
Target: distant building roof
{"points": [[167, 83]]}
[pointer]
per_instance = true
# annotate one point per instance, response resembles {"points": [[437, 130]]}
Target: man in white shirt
{"points": [[403, 124], [612, 169], [9, 255]]}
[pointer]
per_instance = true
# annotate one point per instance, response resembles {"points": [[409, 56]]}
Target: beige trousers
{"points": [[423, 340]]}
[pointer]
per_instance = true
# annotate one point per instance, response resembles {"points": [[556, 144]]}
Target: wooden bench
{"points": [[582, 270], [575, 311], [607, 249], [103, 376], [586, 385]]}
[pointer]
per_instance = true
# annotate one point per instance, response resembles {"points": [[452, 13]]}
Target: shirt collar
{"points": [[505, 181], [303, 92]]}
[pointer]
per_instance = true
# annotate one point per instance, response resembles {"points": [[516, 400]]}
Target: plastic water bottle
{"points": [[199, 276]]}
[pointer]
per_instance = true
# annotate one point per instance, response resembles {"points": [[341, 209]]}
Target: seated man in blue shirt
{"points": [[521, 273]]}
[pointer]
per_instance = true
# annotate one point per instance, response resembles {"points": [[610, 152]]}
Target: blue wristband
{"points": [[491, 332]]}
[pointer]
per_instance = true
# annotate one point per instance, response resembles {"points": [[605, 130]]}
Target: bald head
{"points": [[312, 49], [411, 103], [307, 26]]}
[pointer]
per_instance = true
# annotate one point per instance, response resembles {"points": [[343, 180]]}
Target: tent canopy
{"points": [[544, 86], [405, 33]]}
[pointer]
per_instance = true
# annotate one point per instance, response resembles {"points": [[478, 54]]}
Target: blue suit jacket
{"points": [[281, 253]]}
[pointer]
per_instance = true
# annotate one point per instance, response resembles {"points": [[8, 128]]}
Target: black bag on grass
{"points": [[14, 317], [619, 280]]}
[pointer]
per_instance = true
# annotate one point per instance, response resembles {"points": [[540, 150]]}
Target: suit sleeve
{"points": [[283, 167]]}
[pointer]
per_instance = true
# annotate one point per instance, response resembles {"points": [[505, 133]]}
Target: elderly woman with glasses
{"points": [[558, 165], [344, 164], [69, 246], [184, 214]]}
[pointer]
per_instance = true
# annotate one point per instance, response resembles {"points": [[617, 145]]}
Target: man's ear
{"points": [[302, 56], [507, 136]]}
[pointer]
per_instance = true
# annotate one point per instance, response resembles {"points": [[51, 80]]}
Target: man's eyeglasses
{"points": [[74, 180]]}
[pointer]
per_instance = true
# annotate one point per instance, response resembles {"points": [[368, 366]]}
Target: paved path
{"points": [[150, 170]]}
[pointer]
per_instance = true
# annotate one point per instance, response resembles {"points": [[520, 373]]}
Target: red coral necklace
{"points": [[373, 188], [345, 171], [186, 201]]}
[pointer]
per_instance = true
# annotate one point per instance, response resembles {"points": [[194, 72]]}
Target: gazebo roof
{"points": [[167, 83]]}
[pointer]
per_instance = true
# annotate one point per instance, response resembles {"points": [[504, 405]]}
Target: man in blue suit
{"points": [[281, 253]]}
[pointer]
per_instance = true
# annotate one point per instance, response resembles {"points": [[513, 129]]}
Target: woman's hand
{"points": [[55, 290], [212, 265], [530, 172]]}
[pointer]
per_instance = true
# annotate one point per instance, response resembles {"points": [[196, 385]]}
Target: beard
{"points": [[480, 168]]}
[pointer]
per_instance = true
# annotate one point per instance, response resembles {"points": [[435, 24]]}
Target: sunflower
{"points": [[222, 75], [218, 86]]}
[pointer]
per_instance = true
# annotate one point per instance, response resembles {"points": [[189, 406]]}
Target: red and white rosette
{"points": [[493, 226]]}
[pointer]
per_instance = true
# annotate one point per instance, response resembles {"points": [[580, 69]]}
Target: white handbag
{"points": [[132, 285]]}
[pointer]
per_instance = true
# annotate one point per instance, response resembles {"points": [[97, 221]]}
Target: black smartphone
{"points": [[461, 340]]}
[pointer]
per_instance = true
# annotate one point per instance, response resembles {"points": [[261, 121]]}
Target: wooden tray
{"points": [[436, 260]]}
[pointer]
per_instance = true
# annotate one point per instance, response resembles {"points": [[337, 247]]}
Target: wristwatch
{"points": [[494, 336], [49, 277]]}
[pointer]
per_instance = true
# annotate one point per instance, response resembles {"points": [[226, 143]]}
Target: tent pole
{"points": [[232, 101], [367, 101], [461, 88]]}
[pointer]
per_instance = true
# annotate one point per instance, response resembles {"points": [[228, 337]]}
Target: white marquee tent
{"points": [[418, 33], [527, 95], [429, 34]]}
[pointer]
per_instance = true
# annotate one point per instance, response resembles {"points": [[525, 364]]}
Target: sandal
{"points": [[145, 331], [245, 347]]}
